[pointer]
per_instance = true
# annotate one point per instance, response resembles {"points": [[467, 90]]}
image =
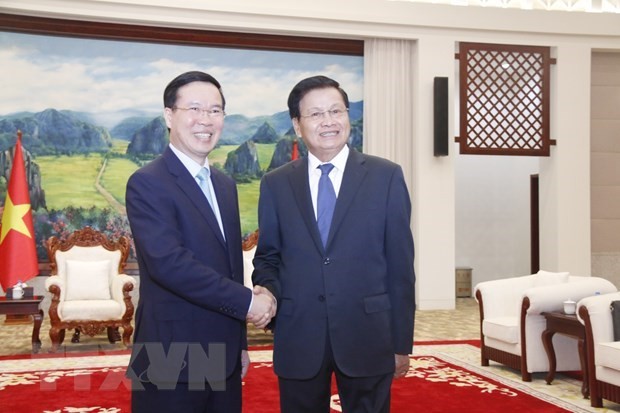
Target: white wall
{"points": [[605, 158], [565, 175], [444, 238], [493, 215], [433, 180]]}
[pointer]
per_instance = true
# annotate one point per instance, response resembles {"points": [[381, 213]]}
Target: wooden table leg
{"points": [[36, 340], [547, 337], [585, 386]]}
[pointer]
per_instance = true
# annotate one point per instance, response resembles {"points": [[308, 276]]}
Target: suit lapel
{"points": [[188, 185], [353, 177], [298, 179], [224, 197], [227, 201]]}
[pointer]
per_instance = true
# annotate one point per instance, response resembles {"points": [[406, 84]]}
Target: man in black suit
{"points": [[346, 293], [190, 345]]}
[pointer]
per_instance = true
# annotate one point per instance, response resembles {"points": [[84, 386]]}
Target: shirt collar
{"points": [[339, 161], [189, 163]]}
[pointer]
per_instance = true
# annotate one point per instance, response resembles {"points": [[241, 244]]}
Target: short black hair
{"points": [[170, 93], [303, 87]]}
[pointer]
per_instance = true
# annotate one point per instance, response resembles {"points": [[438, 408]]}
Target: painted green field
{"points": [[265, 152], [248, 203], [119, 146], [70, 180], [115, 176]]}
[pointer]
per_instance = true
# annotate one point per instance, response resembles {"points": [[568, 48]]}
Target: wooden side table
{"points": [[25, 305], [569, 325]]}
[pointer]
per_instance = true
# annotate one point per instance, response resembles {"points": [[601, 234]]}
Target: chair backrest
{"points": [[599, 313], [249, 243], [504, 297], [88, 257], [87, 237]]}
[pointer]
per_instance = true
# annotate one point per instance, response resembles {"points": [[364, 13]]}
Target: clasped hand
{"points": [[263, 307]]}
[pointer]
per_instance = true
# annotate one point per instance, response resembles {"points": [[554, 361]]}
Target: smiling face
{"points": [[195, 133], [327, 135]]}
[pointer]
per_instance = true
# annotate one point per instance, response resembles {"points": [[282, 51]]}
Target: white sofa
{"points": [[603, 353], [511, 320]]}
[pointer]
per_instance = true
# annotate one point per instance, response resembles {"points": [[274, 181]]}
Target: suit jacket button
{"points": [[326, 261], [321, 298]]}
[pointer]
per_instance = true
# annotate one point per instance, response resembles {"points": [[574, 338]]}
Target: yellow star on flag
{"points": [[13, 219]]}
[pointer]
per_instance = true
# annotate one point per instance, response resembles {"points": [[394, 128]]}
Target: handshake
{"points": [[263, 307]]}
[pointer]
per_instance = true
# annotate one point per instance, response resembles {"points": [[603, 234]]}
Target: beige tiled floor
{"points": [[459, 324], [462, 323]]}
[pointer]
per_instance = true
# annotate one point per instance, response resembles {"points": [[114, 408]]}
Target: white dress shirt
{"points": [[193, 168], [314, 173]]}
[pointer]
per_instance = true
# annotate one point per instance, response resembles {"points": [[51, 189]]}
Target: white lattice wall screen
{"points": [[504, 99]]}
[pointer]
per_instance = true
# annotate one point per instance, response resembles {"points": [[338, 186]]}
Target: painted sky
{"points": [[114, 79]]}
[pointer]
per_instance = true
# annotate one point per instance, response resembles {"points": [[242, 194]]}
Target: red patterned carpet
{"points": [[432, 385], [440, 379]]}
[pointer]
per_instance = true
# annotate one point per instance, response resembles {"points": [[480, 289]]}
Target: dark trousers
{"points": [[148, 398], [357, 394]]}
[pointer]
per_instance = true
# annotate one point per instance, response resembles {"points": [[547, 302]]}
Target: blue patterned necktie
{"points": [[204, 180], [326, 202]]}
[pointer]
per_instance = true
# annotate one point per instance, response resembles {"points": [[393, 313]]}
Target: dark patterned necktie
{"points": [[326, 201]]}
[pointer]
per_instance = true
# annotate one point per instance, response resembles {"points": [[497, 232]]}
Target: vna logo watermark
{"points": [[182, 362]]}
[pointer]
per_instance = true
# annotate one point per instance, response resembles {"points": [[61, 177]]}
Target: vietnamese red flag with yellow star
{"points": [[18, 253]]}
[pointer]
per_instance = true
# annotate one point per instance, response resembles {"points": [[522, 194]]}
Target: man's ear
{"points": [[296, 127], [168, 116]]}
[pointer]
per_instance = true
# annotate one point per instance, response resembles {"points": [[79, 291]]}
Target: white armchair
{"points": [[603, 353], [89, 291], [511, 324]]}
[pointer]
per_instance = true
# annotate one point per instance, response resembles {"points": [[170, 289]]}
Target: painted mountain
{"points": [[67, 132], [54, 132]]}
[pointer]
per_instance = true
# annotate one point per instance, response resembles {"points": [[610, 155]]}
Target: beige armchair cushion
{"points": [[83, 254], [608, 355], [90, 310], [505, 329], [88, 280]]}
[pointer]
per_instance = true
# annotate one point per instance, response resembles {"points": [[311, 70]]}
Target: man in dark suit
{"points": [[190, 346], [346, 293]]}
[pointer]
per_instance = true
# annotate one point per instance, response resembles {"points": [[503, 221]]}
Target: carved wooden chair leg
{"points": [[127, 332], [56, 336]]}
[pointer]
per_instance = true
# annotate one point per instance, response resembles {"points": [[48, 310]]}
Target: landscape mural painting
{"points": [[90, 114]]}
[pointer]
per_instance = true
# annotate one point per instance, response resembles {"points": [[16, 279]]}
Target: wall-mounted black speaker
{"points": [[440, 116]]}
